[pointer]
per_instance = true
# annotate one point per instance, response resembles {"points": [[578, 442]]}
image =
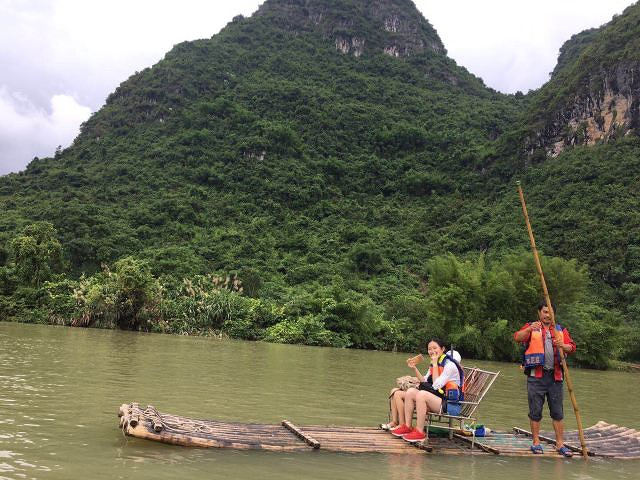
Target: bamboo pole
{"points": [[553, 324]]}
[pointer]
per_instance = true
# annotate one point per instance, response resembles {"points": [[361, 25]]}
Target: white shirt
{"points": [[449, 374]]}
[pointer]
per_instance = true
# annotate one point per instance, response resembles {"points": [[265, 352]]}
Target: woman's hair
{"points": [[438, 341]]}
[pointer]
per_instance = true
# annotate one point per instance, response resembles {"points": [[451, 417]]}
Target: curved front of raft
{"points": [[150, 424], [603, 439]]}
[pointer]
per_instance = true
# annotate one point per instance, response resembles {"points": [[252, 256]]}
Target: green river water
{"points": [[60, 389]]}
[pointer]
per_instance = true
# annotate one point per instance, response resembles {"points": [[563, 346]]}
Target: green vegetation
{"points": [[476, 303], [265, 186]]}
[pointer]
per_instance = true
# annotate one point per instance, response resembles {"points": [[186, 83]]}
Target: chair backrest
{"points": [[477, 383]]}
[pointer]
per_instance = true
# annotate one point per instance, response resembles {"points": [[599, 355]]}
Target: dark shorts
{"points": [[538, 389], [428, 387]]}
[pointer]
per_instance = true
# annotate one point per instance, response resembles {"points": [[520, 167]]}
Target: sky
{"points": [[60, 59]]}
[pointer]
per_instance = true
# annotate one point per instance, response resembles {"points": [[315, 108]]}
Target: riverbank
{"points": [[473, 304], [612, 365], [625, 366]]}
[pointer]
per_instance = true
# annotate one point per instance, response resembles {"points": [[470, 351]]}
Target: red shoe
{"points": [[401, 430], [414, 436]]}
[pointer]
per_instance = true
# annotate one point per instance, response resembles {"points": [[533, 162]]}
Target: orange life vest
{"points": [[451, 387], [534, 354]]}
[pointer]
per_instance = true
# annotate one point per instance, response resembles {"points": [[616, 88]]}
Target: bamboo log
{"points": [[563, 361], [549, 440], [613, 441], [157, 425], [133, 421], [424, 446], [309, 440], [481, 446]]}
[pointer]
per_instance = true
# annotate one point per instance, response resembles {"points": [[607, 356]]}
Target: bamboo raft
{"points": [[603, 439]]}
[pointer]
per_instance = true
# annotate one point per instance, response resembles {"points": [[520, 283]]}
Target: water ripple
{"points": [[61, 387]]}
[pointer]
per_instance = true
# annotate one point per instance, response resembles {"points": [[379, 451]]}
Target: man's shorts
{"points": [[537, 389]]}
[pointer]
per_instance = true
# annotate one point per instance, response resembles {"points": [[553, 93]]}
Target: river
{"points": [[60, 389]]}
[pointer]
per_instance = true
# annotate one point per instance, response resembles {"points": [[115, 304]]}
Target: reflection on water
{"points": [[412, 467], [60, 389]]}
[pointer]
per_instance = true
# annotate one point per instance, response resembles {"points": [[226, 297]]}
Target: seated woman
{"points": [[444, 376], [396, 398]]}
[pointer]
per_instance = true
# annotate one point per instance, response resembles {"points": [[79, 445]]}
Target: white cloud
{"points": [[88, 48], [513, 45], [27, 131]]}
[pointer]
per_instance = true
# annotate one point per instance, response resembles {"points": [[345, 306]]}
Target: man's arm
{"points": [[523, 334], [566, 343]]}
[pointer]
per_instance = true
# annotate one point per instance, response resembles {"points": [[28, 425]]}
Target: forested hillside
{"points": [[323, 173]]}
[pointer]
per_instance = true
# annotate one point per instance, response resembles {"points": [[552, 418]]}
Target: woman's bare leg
{"points": [[426, 402], [398, 407], [393, 406], [409, 404]]}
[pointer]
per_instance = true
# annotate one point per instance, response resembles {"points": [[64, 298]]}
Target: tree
{"points": [[36, 254]]}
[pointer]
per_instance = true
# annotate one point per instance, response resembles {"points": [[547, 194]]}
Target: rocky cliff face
{"points": [[394, 27], [594, 92], [605, 111]]}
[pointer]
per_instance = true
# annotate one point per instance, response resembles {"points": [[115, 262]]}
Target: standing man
{"points": [[544, 373]]}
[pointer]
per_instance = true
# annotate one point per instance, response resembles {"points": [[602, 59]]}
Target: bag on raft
{"points": [[407, 382]]}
